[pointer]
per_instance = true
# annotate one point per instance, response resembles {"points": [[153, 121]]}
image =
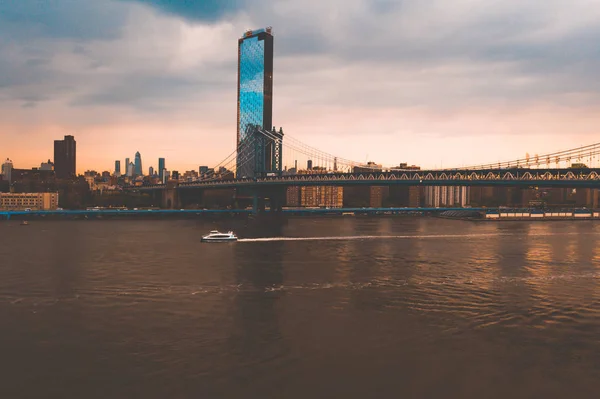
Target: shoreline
{"points": [[273, 217]]}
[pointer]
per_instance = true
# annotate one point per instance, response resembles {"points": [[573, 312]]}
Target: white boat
{"points": [[215, 236]]}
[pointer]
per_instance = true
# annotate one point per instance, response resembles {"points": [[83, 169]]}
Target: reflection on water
{"points": [[314, 307]]}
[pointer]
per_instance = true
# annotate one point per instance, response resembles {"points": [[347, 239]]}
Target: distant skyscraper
{"points": [[65, 157], [309, 164], [161, 168], [151, 171], [138, 164], [117, 168], [255, 92], [7, 168], [47, 165], [130, 169]]}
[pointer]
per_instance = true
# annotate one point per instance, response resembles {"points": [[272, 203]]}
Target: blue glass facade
{"points": [[138, 164], [255, 94], [161, 168]]}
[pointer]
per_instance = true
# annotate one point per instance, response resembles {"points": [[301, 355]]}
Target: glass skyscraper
{"points": [[138, 164], [161, 168], [255, 93]]}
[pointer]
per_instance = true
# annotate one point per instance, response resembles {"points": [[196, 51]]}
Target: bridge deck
{"points": [[582, 177]]}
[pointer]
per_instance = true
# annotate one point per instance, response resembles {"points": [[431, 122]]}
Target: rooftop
{"points": [[250, 32]]}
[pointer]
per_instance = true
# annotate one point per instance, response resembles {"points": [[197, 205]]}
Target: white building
{"points": [[130, 169], [447, 196], [7, 168]]}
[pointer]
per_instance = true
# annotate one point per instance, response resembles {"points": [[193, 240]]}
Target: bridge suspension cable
{"points": [[295, 151], [584, 154], [321, 160], [237, 159]]}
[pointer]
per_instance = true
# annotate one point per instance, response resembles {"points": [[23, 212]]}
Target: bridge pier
{"points": [[255, 203], [275, 196], [277, 202], [170, 196]]}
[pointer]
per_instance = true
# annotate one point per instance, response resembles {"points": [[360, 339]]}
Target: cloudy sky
{"points": [[432, 82]]}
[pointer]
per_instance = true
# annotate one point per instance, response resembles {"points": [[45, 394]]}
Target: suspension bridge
{"points": [[266, 164], [558, 168]]}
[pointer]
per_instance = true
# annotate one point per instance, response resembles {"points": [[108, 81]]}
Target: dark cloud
{"points": [[34, 62], [80, 19], [364, 53], [384, 6], [150, 92], [195, 10]]}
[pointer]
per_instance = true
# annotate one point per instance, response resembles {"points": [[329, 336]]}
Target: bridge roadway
{"points": [[572, 178], [183, 212]]}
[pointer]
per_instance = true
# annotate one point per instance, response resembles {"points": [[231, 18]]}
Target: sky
{"points": [[438, 83]]}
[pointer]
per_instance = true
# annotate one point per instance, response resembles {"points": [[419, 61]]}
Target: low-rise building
{"points": [[292, 196], [322, 196], [33, 201], [447, 196]]}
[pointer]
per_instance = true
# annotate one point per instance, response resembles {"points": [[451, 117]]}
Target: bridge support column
{"points": [[170, 197], [258, 203], [277, 197], [255, 203]]}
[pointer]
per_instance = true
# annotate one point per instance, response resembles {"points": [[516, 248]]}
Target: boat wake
{"points": [[398, 237]]}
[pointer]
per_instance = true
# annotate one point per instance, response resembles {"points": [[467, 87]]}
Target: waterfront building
{"points": [[322, 196], [447, 196], [255, 94], [65, 159], [24, 201], [377, 196], [292, 196]]}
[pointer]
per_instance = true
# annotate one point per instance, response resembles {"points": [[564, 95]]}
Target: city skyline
{"points": [[421, 82]]}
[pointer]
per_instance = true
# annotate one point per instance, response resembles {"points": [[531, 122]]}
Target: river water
{"points": [[375, 307]]}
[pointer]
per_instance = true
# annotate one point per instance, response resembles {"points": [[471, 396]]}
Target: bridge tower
{"points": [[260, 154], [170, 195]]}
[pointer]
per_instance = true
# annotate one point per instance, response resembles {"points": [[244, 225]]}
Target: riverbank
{"points": [[209, 213], [519, 215], [470, 214]]}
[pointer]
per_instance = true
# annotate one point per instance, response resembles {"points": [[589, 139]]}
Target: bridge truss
{"points": [[578, 177]]}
